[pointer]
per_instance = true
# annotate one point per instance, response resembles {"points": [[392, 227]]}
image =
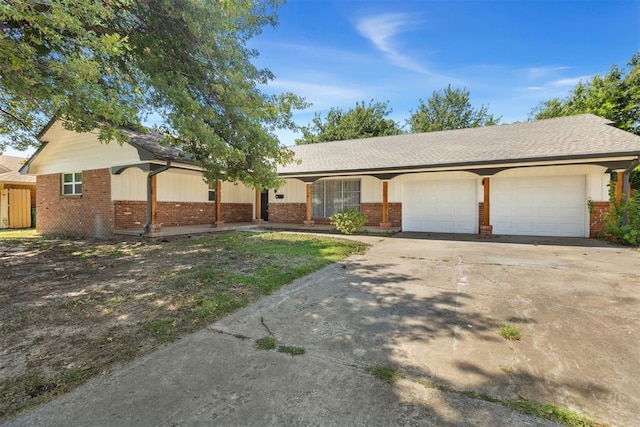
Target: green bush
{"points": [[347, 221], [622, 223]]}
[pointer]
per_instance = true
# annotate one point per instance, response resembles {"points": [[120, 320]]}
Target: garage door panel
{"points": [[446, 206], [539, 206]]}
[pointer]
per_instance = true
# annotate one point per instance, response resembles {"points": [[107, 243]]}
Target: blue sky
{"points": [[510, 55]]}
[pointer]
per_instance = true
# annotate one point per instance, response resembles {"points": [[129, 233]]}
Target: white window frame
{"points": [[211, 195], [320, 195], [73, 187]]}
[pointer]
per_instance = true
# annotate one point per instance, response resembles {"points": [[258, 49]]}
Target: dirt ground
{"points": [[74, 309]]}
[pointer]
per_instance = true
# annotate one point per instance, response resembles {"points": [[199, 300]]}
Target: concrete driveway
{"points": [[431, 308]]}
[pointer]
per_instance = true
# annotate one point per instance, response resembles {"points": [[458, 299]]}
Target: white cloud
{"points": [[572, 81], [321, 95], [540, 72], [381, 30]]}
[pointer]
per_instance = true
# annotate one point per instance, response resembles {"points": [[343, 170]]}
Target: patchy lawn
{"points": [[72, 309]]}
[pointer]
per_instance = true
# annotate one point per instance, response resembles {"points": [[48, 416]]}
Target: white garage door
{"points": [[539, 206], [449, 206]]}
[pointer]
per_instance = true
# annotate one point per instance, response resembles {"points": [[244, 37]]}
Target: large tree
{"points": [[449, 109], [362, 121], [106, 64], [615, 96]]}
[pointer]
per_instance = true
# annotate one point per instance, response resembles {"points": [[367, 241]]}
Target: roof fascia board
{"points": [[483, 170]]}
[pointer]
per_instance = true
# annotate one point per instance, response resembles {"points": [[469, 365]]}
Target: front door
{"points": [[264, 205]]}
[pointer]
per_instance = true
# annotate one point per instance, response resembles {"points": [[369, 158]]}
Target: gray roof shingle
{"points": [[581, 136], [9, 170]]}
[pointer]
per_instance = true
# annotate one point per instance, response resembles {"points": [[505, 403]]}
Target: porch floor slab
{"points": [[247, 226]]}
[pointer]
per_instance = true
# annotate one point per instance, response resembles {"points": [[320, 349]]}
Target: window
{"points": [[72, 183], [332, 196], [212, 191]]}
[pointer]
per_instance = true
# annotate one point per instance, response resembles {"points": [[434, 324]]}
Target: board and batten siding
{"points": [[72, 151], [175, 185], [295, 191]]}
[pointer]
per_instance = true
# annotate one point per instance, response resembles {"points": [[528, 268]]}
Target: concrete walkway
{"points": [[431, 308]]}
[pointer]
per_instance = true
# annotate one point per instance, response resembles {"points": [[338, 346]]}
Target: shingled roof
{"points": [[150, 148], [574, 137], [9, 171]]}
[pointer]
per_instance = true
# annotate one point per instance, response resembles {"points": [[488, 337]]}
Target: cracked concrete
{"points": [[432, 309]]}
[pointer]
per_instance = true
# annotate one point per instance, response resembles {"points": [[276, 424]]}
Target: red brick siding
{"points": [[31, 188], [185, 213], [237, 212], [130, 213], [295, 213], [87, 215], [133, 214], [596, 218], [287, 213]]}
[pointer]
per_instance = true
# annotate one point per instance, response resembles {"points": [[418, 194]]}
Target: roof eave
{"points": [[468, 165]]}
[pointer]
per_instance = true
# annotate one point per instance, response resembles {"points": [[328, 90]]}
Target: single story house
{"points": [[88, 188], [17, 193], [532, 178]]}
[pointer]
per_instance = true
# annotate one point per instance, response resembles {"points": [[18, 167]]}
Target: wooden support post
{"points": [[219, 221], [486, 229], [154, 204], [385, 205], [619, 187], [486, 202], [258, 205], [308, 221]]}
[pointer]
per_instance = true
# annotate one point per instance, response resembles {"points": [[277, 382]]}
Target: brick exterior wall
{"points": [[295, 213], [129, 213], [133, 214], [31, 188], [236, 212], [86, 215], [287, 213], [596, 218]]}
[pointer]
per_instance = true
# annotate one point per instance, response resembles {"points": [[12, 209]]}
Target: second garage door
{"points": [[539, 206], [446, 206]]}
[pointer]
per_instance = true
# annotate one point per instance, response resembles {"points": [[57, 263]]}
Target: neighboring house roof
{"points": [[574, 137], [9, 171]]}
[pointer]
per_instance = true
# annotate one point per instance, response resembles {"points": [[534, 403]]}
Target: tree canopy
{"points": [[362, 121], [615, 96], [106, 65], [449, 109]]}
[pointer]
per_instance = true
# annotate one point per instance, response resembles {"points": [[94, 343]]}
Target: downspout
{"points": [[147, 225]]}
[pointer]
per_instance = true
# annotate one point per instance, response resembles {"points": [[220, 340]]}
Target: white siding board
{"points": [[294, 191], [181, 186], [129, 185], [81, 151]]}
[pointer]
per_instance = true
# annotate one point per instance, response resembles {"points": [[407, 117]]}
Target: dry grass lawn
{"points": [[73, 309]]}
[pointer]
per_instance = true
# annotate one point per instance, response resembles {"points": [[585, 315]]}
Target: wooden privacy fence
{"points": [[15, 208]]}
